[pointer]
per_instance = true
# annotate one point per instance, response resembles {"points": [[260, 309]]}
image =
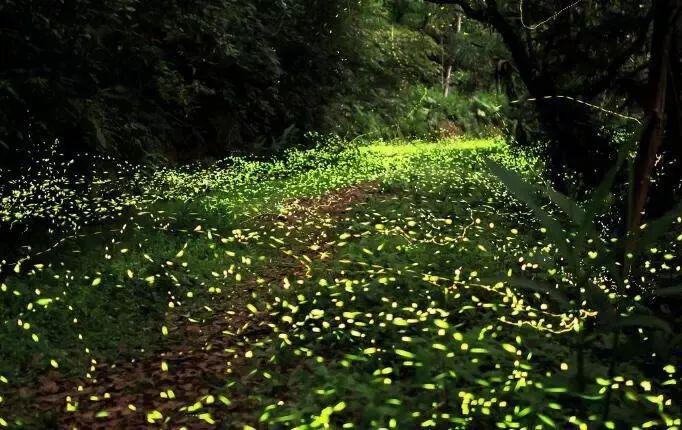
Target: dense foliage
{"points": [[388, 286], [189, 79], [274, 214], [176, 81], [592, 70], [137, 77]]}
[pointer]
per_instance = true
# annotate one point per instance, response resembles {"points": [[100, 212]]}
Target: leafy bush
{"points": [[598, 275], [139, 79], [425, 113]]}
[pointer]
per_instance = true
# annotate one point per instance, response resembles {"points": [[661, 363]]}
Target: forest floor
{"points": [[363, 293]]}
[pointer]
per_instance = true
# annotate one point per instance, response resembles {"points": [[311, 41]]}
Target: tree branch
{"points": [[602, 83], [467, 8]]}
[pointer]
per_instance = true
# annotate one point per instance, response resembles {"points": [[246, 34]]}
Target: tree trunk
{"points": [[658, 91], [442, 63], [448, 71]]}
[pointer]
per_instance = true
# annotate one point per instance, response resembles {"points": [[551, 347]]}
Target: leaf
{"points": [[547, 420], [604, 188], [595, 205], [403, 353], [527, 194], [566, 204], [656, 228], [441, 324], [153, 416], [509, 348]]}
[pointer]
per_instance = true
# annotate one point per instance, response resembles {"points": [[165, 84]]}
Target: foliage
{"points": [[577, 97], [596, 268], [133, 78], [425, 113], [49, 196], [339, 253], [368, 307]]}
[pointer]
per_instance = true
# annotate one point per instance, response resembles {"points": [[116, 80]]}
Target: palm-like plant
{"points": [[585, 255]]}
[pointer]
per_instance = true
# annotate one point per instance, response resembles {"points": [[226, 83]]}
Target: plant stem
{"points": [[612, 369], [581, 362]]}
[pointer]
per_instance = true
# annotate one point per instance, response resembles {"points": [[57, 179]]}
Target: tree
{"points": [[185, 80], [662, 104], [625, 54]]}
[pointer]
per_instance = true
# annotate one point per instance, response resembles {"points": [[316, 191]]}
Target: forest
{"points": [[341, 214]]}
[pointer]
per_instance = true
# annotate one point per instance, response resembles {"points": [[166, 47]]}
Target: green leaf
{"points": [[527, 193], [566, 204], [656, 228], [547, 420], [403, 353], [595, 205], [44, 302], [603, 190]]}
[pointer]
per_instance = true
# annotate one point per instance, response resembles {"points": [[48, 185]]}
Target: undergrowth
{"points": [[395, 312]]}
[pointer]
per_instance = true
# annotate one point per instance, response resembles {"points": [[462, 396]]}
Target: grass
{"points": [[376, 306]]}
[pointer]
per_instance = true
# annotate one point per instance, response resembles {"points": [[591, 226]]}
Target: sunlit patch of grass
{"points": [[401, 148]]}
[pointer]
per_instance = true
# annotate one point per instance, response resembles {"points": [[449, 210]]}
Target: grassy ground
{"points": [[358, 292]]}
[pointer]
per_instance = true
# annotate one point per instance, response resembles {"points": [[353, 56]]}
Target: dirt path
{"points": [[176, 387]]}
